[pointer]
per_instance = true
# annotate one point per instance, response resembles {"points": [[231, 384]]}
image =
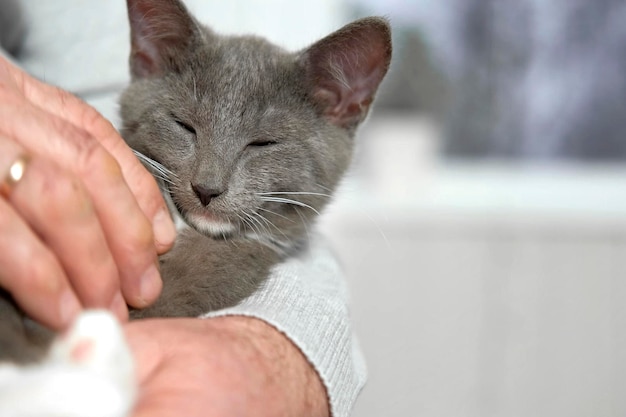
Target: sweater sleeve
{"points": [[306, 298]]}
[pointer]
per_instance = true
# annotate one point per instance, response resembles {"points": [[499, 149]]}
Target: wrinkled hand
{"points": [[84, 225], [222, 367]]}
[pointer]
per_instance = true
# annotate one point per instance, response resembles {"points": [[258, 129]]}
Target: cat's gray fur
{"points": [[12, 26], [247, 141]]}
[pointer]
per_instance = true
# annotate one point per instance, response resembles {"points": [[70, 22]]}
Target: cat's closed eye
{"points": [[185, 126], [262, 142]]}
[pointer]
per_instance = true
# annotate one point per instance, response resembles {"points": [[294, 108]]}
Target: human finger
{"points": [[32, 274], [128, 232], [77, 112], [58, 209]]}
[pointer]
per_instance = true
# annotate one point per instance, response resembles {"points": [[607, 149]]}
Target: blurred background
{"points": [[483, 227], [485, 236]]}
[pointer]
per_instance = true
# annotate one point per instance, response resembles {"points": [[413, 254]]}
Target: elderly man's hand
{"points": [[83, 226]]}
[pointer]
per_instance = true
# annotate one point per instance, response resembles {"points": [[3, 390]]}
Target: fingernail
{"points": [[164, 230], [150, 285], [69, 307], [118, 306]]}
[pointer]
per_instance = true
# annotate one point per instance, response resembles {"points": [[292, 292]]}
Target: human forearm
{"points": [[291, 387], [227, 366]]}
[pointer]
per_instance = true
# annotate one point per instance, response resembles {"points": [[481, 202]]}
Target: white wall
{"points": [[485, 290]]}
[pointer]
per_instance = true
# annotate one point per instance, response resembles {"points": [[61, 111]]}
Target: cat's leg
{"points": [[21, 340], [201, 274], [88, 372]]}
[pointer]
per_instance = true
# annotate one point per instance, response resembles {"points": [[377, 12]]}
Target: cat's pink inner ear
{"points": [[347, 67], [160, 29], [143, 64]]}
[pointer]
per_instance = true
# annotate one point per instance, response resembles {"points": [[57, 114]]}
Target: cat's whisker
{"points": [[239, 223], [266, 223], [260, 220], [255, 224], [195, 89], [287, 201], [270, 223], [157, 169], [323, 187], [234, 241], [159, 174], [275, 193], [163, 178], [304, 223], [276, 214], [277, 246], [245, 221], [266, 239], [377, 226]]}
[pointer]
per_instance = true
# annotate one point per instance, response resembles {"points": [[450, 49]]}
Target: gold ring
{"points": [[15, 175]]}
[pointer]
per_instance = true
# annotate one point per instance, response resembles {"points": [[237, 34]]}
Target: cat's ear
{"points": [[160, 32], [346, 68]]}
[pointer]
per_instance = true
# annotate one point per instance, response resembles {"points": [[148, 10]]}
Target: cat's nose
{"points": [[205, 194]]}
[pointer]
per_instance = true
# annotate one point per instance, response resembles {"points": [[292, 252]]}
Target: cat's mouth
{"points": [[211, 225], [204, 221]]}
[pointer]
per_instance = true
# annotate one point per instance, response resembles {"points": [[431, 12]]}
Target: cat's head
{"points": [[253, 139]]}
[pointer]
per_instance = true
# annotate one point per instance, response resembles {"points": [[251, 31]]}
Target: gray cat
{"points": [[247, 142]]}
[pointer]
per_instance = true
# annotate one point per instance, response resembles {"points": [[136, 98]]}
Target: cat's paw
{"points": [[89, 372]]}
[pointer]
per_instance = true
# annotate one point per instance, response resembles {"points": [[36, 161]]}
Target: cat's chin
{"points": [[211, 227]]}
